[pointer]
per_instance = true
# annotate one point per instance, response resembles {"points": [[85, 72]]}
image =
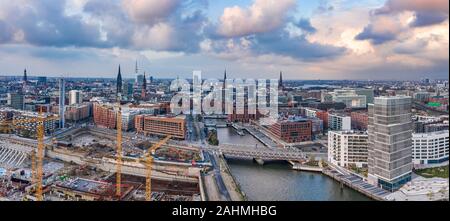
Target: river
{"points": [[278, 182]]}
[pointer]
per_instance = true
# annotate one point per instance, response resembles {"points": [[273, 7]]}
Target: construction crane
{"points": [[149, 161], [119, 151], [36, 158]]}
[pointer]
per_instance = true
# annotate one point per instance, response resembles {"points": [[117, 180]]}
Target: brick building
{"points": [[292, 130], [359, 120], [161, 126], [104, 116]]}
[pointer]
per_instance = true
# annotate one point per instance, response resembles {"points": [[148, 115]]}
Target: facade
{"points": [[347, 148], [104, 116], [26, 123], [422, 96], [292, 130], [350, 98], [75, 97], [339, 121], [390, 142], [430, 148], [369, 93], [359, 120], [78, 112], [16, 101], [161, 126]]}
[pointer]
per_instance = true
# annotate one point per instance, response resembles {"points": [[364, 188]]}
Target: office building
{"points": [[346, 148], [16, 101], [390, 142], [430, 148], [349, 97], [292, 130], [161, 125]]}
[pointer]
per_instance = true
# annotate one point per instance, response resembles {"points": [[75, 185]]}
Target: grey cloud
{"points": [[376, 38], [428, 18], [281, 43], [305, 25], [5, 32]]}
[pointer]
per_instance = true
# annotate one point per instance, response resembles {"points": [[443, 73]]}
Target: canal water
{"points": [[278, 182]]}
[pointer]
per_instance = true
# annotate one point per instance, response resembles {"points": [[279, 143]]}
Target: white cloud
{"points": [[261, 16], [157, 37]]}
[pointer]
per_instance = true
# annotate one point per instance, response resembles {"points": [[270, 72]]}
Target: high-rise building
{"points": [[346, 148], [75, 97], [339, 121], [224, 92], [62, 102], [390, 143], [128, 89]]}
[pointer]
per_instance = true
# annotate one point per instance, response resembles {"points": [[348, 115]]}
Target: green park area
{"points": [[433, 172]]}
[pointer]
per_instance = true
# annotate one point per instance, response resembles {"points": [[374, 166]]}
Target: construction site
{"points": [[83, 164]]}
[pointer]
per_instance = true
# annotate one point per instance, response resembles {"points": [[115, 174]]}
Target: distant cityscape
{"points": [[381, 140]]}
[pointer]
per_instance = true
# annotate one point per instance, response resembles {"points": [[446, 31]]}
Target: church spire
{"points": [[119, 82], [25, 78]]}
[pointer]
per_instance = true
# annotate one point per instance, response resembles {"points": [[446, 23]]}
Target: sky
{"points": [[305, 39]]}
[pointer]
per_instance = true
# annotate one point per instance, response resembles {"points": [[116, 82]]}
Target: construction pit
{"points": [[88, 171]]}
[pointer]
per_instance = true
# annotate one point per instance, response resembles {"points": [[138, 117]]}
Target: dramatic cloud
{"points": [[386, 21], [329, 39], [382, 29], [262, 16], [150, 11]]}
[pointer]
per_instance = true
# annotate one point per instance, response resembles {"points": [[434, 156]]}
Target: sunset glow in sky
{"points": [[306, 39]]}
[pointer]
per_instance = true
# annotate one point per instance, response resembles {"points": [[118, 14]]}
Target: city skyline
{"points": [[376, 39]]}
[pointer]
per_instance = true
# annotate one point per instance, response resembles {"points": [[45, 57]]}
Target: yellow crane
{"points": [[149, 162], [119, 152], [36, 158]]}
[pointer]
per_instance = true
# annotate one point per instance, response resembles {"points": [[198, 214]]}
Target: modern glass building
{"points": [[390, 142]]}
